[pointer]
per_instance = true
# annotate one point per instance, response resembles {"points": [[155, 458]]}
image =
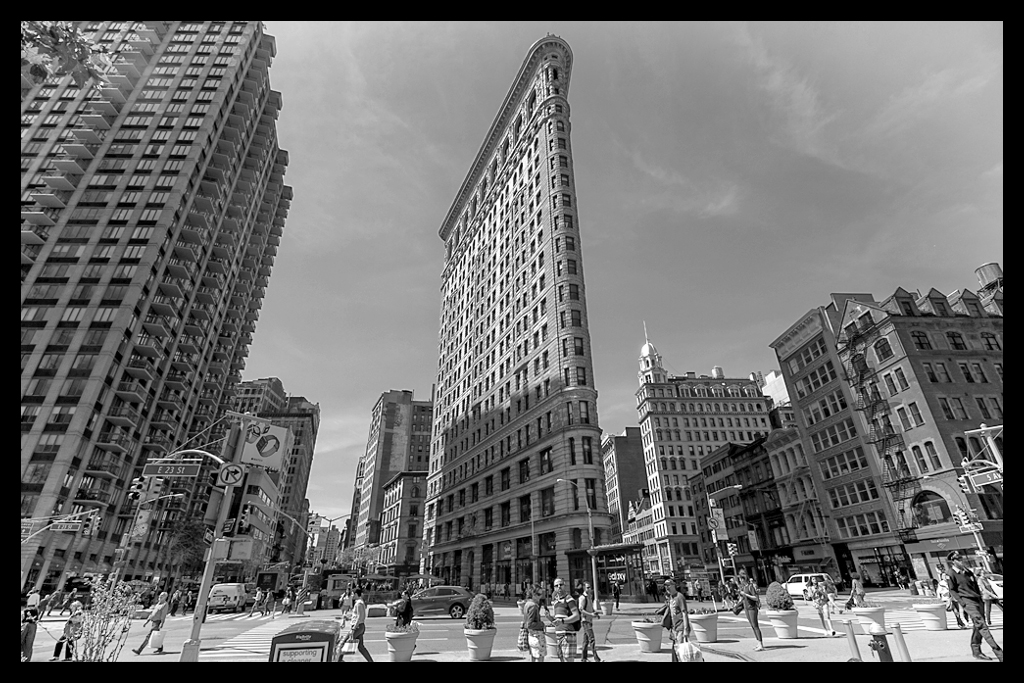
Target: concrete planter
{"points": [[606, 608], [784, 622], [480, 643], [648, 635], [705, 627], [870, 616], [933, 615], [400, 646]]}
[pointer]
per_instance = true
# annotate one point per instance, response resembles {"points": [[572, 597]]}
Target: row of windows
{"points": [[923, 341], [853, 493]]}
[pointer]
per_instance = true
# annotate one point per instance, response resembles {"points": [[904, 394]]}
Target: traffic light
{"points": [[137, 487], [960, 516], [733, 549], [243, 519], [965, 484], [87, 525]]}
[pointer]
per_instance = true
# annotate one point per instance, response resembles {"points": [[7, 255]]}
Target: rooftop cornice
{"points": [[501, 120]]}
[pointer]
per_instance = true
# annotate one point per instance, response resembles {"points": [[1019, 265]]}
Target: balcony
{"points": [[230, 326], [184, 362], [67, 183], [216, 266], [203, 203], [52, 199], [200, 312], [147, 346], [885, 437], [181, 269], [157, 442], [214, 280], [208, 398], [124, 416], [131, 391], [92, 497], [171, 288], [162, 420], [116, 442], [170, 402], [185, 252], [176, 380], [141, 368], [221, 352], [36, 217], [97, 121], [80, 150], [156, 326], [105, 467], [69, 164], [189, 345], [163, 305]]}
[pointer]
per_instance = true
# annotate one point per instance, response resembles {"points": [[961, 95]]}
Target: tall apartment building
{"points": [[259, 396], [625, 481], [399, 441], [401, 533], [925, 371], [152, 209], [682, 420], [515, 408]]}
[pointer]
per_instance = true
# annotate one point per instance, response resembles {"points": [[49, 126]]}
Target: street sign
{"points": [[752, 537], [26, 529], [66, 526], [208, 536], [170, 470], [979, 479], [229, 524], [230, 475], [971, 528]]}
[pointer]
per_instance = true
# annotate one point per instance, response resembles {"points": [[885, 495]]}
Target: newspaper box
{"points": [[306, 641]]}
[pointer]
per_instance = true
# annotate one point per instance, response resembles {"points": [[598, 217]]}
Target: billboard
{"points": [[265, 445]]}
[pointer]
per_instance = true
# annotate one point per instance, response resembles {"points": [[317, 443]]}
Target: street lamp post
{"points": [[592, 552], [718, 552]]}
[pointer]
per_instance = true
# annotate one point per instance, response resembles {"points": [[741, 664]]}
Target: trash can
{"points": [[306, 641]]}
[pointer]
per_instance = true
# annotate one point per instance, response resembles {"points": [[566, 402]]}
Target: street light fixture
{"points": [[592, 552], [718, 553]]}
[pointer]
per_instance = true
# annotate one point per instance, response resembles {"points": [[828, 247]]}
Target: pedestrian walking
{"points": [[832, 593], [616, 593], [822, 603], [258, 602], [189, 602], [681, 629], [963, 588], [588, 612], [156, 618], [747, 591], [175, 601], [346, 602], [29, 619], [857, 592], [952, 605], [72, 632], [69, 600], [988, 595], [56, 599], [33, 599], [404, 611], [566, 621], [533, 626], [358, 628]]}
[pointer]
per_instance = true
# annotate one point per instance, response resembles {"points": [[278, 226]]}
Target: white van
{"points": [[227, 597], [798, 585]]}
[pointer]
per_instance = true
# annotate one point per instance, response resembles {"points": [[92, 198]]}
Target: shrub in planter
{"points": [[401, 641], [648, 635], [480, 629], [781, 611], [705, 625]]}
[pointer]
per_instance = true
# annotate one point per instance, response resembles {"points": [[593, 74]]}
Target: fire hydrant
{"points": [[879, 645]]}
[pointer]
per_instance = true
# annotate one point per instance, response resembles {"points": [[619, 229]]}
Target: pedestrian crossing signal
{"points": [[733, 549], [87, 525]]}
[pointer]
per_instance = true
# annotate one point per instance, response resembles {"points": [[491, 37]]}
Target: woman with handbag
{"points": [[355, 636], [822, 603], [750, 604]]}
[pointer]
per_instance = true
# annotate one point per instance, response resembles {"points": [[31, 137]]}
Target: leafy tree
{"points": [[105, 624], [185, 547], [58, 48]]}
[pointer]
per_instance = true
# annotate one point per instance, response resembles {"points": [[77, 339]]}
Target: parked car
{"points": [[227, 597], [798, 585], [450, 600], [997, 584]]}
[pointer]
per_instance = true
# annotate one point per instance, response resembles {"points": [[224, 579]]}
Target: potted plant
{"points": [[781, 611], [704, 623], [401, 641], [480, 629], [933, 614], [870, 614], [648, 634]]}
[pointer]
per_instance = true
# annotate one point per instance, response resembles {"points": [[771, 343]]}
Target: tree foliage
{"points": [[58, 48], [185, 547], [105, 624]]}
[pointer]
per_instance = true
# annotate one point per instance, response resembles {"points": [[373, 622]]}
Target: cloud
{"points": [[709, 197], [793, 98]]}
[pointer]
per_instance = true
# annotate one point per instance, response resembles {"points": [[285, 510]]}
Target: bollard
{"points": [[879, 645], [851, 640], [901, 644]]}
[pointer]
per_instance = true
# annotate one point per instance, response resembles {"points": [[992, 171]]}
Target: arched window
{"points": [[961, 445], [672, 463], [883, 350], [922, 464], [933, 455], [930, 508], [956, 341], [991, 342], [921, 341]]}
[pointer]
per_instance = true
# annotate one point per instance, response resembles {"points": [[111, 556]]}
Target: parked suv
{"points": [[450, 600], [227, 597], [798, 585]]}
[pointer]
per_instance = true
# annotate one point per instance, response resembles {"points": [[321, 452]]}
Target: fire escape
{"points": [[897, 479]]}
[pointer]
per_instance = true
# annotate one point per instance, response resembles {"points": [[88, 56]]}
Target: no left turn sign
{"points": [[230, 475]]}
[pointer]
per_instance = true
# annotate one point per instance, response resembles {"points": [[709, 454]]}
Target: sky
{"points": [[729, 177]]}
